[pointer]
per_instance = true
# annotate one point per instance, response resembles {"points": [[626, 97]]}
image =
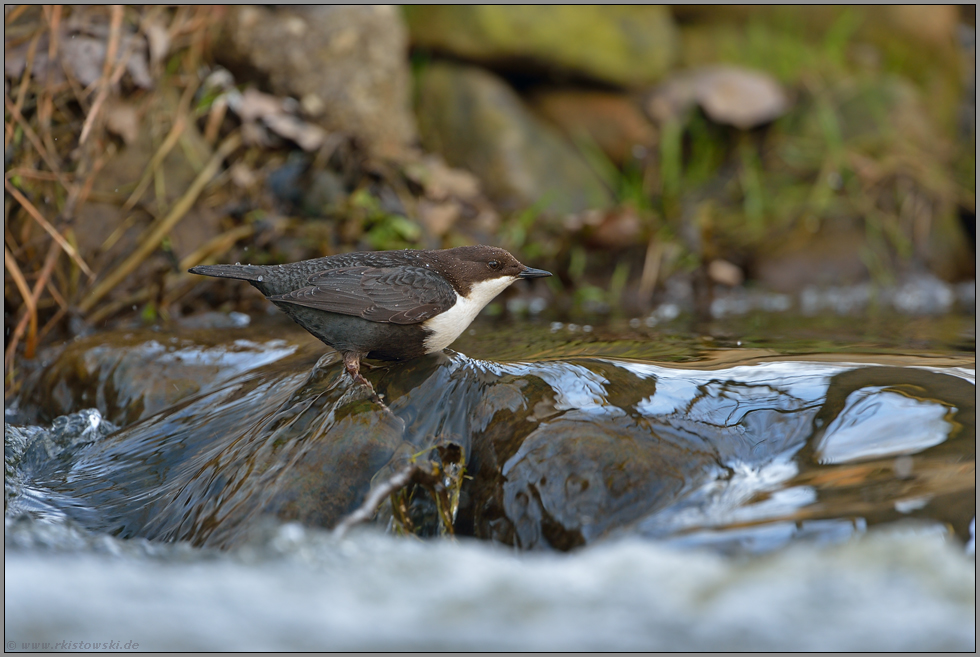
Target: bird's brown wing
{"points": [[396, 295]]}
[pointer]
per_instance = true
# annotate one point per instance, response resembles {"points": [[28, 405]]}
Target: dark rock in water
{"points": [[553, 454], [107, 371]]}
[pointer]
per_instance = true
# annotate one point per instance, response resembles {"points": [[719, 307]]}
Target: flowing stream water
{"points": [[766, 482]]}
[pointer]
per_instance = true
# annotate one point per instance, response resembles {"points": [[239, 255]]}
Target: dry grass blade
{"points": [[178, 285], [216, 245], [651, 268], [15, 13], [25, 293], [161, 227], [62, 242], [169, 142], [31, 314], [36, 142], [21, 91], [115, 28]]}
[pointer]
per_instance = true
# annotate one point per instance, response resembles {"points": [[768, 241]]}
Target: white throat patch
{"points": [[446, 327]]}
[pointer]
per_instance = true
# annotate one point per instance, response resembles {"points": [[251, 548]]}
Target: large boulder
{"points": [[622, 45], [347, 66], [477, 122]]}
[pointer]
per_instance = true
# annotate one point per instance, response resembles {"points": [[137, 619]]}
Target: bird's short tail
{"points": [[241, 272]]}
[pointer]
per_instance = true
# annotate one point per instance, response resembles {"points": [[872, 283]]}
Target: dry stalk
{"points": [[22, 90], [36, 142], [171, 140], [115, 25], [10, 263], [30, 315], [160, 228], [35, 213]]}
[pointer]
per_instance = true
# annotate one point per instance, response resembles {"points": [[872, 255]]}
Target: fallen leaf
{"points": [[122, 119]]}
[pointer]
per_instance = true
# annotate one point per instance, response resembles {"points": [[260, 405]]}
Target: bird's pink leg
{"points": [[352, 363]]}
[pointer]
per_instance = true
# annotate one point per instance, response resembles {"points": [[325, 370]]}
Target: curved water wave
{"points": [[555, 453]]}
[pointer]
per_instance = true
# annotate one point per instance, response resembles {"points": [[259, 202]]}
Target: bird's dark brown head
{"points": [[466, 266]]}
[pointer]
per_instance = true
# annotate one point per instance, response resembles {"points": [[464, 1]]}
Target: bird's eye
{"points": [[493, 264]]}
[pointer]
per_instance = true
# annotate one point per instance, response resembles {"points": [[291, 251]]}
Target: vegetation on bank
{"points": [[131, 154]]}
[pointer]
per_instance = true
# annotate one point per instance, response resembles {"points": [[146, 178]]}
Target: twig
{"points": [[62, 242], [374, 499], [163, 226]]}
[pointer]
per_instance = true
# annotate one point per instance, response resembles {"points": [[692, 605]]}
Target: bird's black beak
{"points": [[533, 273]]}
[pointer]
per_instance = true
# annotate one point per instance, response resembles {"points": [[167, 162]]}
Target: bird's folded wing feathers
{"points": [[397, 295]]}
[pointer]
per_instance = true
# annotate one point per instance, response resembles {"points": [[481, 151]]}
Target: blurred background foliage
{"points": [[640, 153]]}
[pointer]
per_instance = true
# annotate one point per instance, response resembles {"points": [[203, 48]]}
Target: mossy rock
{"points": [[621, 45]]}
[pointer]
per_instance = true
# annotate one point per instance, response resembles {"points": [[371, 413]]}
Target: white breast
{"points": [[446, 327]]}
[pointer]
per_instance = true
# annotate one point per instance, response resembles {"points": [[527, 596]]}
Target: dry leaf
{"points": [[122, 119]]}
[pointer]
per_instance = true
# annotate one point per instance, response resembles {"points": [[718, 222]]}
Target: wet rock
{"points": [[622, 45], [557, 454], [129, 376], [477, 122], [346, 65], [612, 121], [574, 479]]}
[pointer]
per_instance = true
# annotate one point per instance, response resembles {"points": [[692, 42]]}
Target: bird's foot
{"points": [[352, 363]]}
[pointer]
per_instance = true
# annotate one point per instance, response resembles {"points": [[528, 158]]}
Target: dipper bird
{"points": [[388, 305]]}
